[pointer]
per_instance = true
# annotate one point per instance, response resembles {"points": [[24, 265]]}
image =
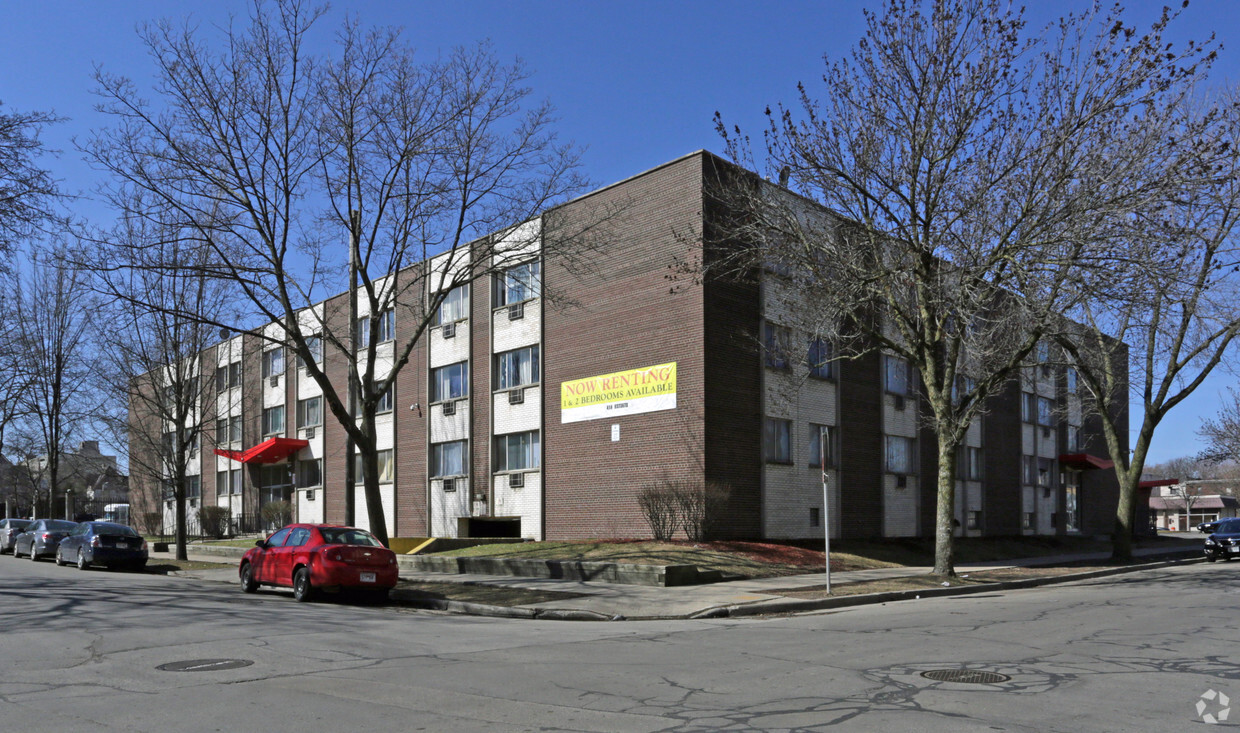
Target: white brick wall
{"points": [[509, 334], [387, 496], [447, 507], [449, 351], [517, 418], [450, 427], [525, 502]]}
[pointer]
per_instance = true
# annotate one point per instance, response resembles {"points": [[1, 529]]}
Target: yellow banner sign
{"points": [[621, 393]]}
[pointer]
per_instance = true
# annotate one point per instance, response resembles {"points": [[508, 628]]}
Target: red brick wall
{"points": [[624, 317], [409, 447]]}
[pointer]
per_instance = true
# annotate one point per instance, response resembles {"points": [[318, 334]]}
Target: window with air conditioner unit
{"points": [[517, 452], [516, 368], [450, 382], [449, 484], [516, 480], [449, 408], [516, 396], [516, 311], [449, 330]]}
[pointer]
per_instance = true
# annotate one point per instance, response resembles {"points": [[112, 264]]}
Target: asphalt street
{"points": [[81, 651]]}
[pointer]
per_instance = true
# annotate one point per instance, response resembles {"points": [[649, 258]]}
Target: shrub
{"points": [[278, 513], [152, 522], [214, 520], [659, 507]]}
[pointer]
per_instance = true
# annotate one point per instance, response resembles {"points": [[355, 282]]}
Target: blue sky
{"points": [[636, 82]]}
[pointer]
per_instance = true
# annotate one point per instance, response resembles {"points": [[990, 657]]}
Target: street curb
{"points": [[760, 608]]}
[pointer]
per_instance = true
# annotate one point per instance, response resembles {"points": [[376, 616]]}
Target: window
{"points": [[961, 387], [455, 306], [897, 378], [315, 345], [385, 466], [899, 455], [1043, 353], [1027, 520], [969, 463], [310, 473], [310, 412], [821, 364], [272, 477], [1073, 440], [1028, 407], [193, 487], [816, 454], [273, 362], [1046, 410], [228, 482], [299, 537], [517, 284], [273, 420], [517, 368], [385, 401], [450, 382], [815, 516], [278, 539], [1070, 378], [386, 326], [1028, 470], [517, 452], [228, 430], [973, 520], [776, 342], [777, 440], [448, 459], [1046, 473], [227, 377]]}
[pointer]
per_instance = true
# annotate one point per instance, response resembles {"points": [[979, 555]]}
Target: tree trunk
{"points": [[945, 512]]}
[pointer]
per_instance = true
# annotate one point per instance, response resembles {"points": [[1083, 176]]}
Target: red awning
{"points": [[1152, 483], [272, 450], [1084, 462]]}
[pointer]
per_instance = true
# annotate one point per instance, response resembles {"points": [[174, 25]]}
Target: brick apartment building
{"points": [[516, 417]]}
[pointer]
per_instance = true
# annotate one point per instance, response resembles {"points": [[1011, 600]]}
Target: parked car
{"points": [[9, 529], [41, 537], [1208, 527], [103, 543], [1224, 543], [313, 557]]}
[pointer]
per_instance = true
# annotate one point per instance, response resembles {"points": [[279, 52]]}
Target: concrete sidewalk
{"points": [[613, 601]]}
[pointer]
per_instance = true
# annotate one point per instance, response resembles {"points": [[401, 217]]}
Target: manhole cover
{"points": [[204, 665], [967, 676]]}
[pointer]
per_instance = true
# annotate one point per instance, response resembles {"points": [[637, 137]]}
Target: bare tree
{"points": [[152, 370], [27, 191], [1171, 309], [273, 157], [967, 192], [55, 320], [1222, 433]]}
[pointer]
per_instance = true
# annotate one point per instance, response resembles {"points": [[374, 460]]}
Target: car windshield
{"points": [[343, 536], [115, 529], [58, 524], [1228, 528], [19, 523]]}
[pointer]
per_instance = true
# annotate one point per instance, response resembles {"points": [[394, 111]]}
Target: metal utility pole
{"points": [[350, 500], [826, 502]]}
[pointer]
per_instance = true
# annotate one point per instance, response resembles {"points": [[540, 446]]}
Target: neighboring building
{"points": [[87, 481], [1179, 506], [516, 418]]}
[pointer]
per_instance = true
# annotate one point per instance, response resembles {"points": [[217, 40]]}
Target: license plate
{"points": [[370, 577], [1234, 548]]}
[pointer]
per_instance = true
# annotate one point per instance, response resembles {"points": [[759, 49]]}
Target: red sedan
{"points": [[311, 557]]}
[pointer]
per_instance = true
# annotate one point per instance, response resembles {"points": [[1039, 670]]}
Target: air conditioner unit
{"points": [[899, 401], [516, 480], [1046, 432], [449, 330], [516, 311], [449, 408], [309, 494], [516, 396], [901, 481], [309, 433], [449, 484], [275, 380]]}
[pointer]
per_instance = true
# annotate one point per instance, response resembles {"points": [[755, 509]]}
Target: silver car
{"points": [[9, 529], [42, 537]]}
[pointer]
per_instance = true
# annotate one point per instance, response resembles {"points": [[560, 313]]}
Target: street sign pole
{"points": [[826, 502]]}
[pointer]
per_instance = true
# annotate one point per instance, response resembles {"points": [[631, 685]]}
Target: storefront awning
{"points": [[1084, 462], [1154, 483], [272, 450]]}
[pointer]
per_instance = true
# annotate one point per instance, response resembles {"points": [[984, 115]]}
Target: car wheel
{"points": [[247, 579], [302, 590], [1210, 558], [81, 561], [33, 555], [60, 558], [15, 552]]}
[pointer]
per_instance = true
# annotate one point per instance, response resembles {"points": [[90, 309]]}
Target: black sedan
{"points": [[9, 529], [1224, 544], [103, 543], [1208, 527], [41, 537]]}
